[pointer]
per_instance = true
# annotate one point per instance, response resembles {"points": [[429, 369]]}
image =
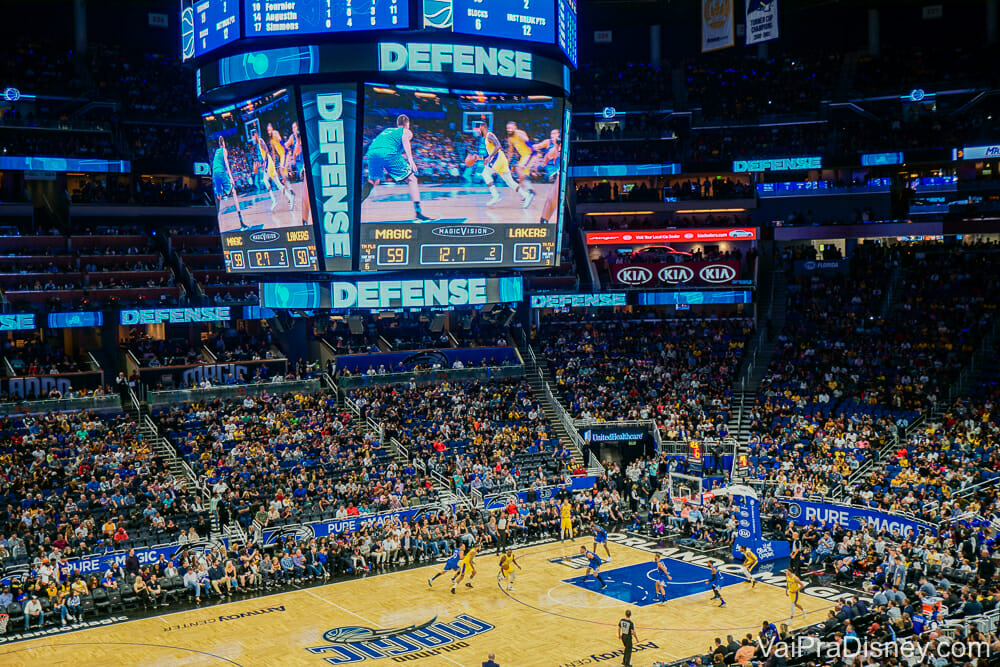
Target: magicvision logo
{"points": [[352, 644], [464, 231], [264, 237]]}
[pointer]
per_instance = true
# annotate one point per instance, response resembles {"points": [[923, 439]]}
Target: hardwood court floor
{"points": [[545, 622], [454, 204]]}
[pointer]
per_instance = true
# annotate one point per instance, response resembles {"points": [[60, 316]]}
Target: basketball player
{"points": [[507, 565], [749, 563], [547, 152], [391, 154], [715, 578], [552, 148], [601, 537], [222, 178], [496, 163], [593, 566], [466, 566], [293, 149], [520, 147], [566, 521], [278, 150], [792, 587], [661, 576], [451, 565], [270, 172]]}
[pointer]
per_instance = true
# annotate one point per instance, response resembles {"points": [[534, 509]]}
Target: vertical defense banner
{"points": [[330, 113], [717, 31], [762, 21]]}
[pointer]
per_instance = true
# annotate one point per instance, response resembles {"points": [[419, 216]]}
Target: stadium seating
{"points": [[678, 372]]}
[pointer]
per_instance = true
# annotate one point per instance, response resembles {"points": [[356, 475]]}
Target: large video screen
{"points": [[460, 179], [258, 175]]}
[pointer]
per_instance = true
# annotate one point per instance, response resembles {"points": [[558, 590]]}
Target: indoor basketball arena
{"points": [[547, 333]]}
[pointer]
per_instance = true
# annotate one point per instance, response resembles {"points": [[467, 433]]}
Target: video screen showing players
{"points": [[459, 179], [258, 177]]}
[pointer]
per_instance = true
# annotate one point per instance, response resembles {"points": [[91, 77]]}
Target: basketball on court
{"points": [[470, 160]]}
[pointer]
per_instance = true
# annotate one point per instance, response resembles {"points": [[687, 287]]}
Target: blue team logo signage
{"points": [[803, 512], [353, 643]]}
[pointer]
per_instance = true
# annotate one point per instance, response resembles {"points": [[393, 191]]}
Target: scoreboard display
{"points": [[258, 178], [488, 171], [264, 18], [391, 247], [528, 20], [207, 25]]}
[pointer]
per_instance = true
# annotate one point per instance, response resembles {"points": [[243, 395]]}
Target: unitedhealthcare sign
{"points": [[612, 433]]}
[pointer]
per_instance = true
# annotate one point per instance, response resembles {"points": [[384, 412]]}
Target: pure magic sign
{"points": [[802, 512]]}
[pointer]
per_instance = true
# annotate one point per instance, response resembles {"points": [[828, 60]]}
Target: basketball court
{"points": [[257, 211], [455, 204], [551, 619]]}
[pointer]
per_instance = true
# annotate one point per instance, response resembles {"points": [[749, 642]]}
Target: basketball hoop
{"points": [[3, 622]]}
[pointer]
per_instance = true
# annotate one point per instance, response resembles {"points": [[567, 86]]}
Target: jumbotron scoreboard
{"points": [[385, 135]]}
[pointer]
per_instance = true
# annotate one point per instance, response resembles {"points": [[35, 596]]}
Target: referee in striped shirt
{"points": [[626, 633]]}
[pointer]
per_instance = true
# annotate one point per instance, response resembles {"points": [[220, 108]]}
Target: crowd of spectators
{"points": [[728, 89], [488, 435], [651, 151], [75, 484], [295, 453], [37, 357], [677, 372], [855, 366]]}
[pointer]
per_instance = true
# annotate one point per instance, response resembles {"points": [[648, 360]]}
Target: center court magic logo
{"points": [[352, 644]]}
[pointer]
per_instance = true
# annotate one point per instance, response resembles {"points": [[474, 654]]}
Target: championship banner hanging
{"points": [[716, 24], [762, 21]]}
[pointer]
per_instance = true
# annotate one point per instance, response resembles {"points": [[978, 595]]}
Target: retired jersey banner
{"points": [[762, 21], [717, 31]]}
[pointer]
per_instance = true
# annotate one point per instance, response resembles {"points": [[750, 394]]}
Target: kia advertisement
{"points": [[671, 235], [650, 274]]}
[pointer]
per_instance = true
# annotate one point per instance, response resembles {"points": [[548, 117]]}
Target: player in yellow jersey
{"points": [[466, 566], [792, 587], [519, 145], [749, 563], [496, 164], [507, 565], [271, 176], [566, 521]]}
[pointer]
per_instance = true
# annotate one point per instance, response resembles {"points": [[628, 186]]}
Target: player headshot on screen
{"points": [[252, 164], [390, 154], [464, 150]]}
